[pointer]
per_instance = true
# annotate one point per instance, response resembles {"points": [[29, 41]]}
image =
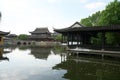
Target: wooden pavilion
{"points": [[77, 35], [40, 34], [2, 34]]}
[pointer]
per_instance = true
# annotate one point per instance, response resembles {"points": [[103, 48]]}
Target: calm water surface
{"points": [[54, 64]]}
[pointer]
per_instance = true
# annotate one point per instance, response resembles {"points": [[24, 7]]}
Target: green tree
{"points": [[58, 37], [86, 22], [91, 20], [111, 16], [107, 17], [95, 18], [23, 37]]}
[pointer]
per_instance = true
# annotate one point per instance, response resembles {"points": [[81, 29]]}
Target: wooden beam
{"points": [[103, 40]]}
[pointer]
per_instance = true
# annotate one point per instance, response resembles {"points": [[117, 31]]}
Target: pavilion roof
{"points": [[92, 28], [4, 33], [11, 35], [41, 30]]}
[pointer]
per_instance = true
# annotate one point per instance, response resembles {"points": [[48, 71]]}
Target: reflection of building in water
{"points": [[82, 68], [40, 53], [1, 55]]}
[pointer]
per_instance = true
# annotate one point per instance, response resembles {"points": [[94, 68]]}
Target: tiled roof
{"points": [[41, 30], [4, 33], [11, 35], [92, 28]]}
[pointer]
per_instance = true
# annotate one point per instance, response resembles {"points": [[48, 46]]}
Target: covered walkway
{"points": [[77, 35]]}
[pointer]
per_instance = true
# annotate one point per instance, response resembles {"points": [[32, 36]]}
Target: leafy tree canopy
{"points": [[23, 37], [109, 16]]}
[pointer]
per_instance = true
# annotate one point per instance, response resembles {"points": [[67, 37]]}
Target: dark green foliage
{"points": [[113, 38], [96, 40], [58, 37], [86, 22], [23, 37], [109, 16], [91, 20]]}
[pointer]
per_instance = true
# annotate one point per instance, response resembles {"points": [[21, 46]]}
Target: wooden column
{"points": [[72, 35], [85, 38], [103, 40], [65, 38], [82, 39], [71, 38], [77, 39], [68, 39], [62, 38]]}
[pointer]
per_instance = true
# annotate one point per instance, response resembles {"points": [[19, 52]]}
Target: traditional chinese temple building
{"points": [[40, 34], [2, 34], [11, 36], [77, 35]]}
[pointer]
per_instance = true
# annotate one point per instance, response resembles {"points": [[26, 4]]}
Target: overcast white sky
{"points": [[22, 16]]}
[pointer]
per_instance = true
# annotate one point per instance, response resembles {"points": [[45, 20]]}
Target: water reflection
{"points": [[83, 67], [55, 64], [40, 53], [31, 64], [1, 55]]}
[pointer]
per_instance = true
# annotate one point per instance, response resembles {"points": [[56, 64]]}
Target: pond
{"points": [[55, 64]]}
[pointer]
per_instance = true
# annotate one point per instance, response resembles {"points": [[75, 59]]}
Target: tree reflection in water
{"points": [[62, 65], [83, 67]]}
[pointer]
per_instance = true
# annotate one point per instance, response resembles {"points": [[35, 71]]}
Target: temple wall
{"points": [[1, 41], [45, 44]]}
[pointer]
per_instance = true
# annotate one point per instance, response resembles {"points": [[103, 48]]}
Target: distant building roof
{"points": [[4, 33], [11, 35], [76, 25], [41, 30], [40, 34]]}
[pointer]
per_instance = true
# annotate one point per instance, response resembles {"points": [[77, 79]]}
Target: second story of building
{"points": [[40, 34]]}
